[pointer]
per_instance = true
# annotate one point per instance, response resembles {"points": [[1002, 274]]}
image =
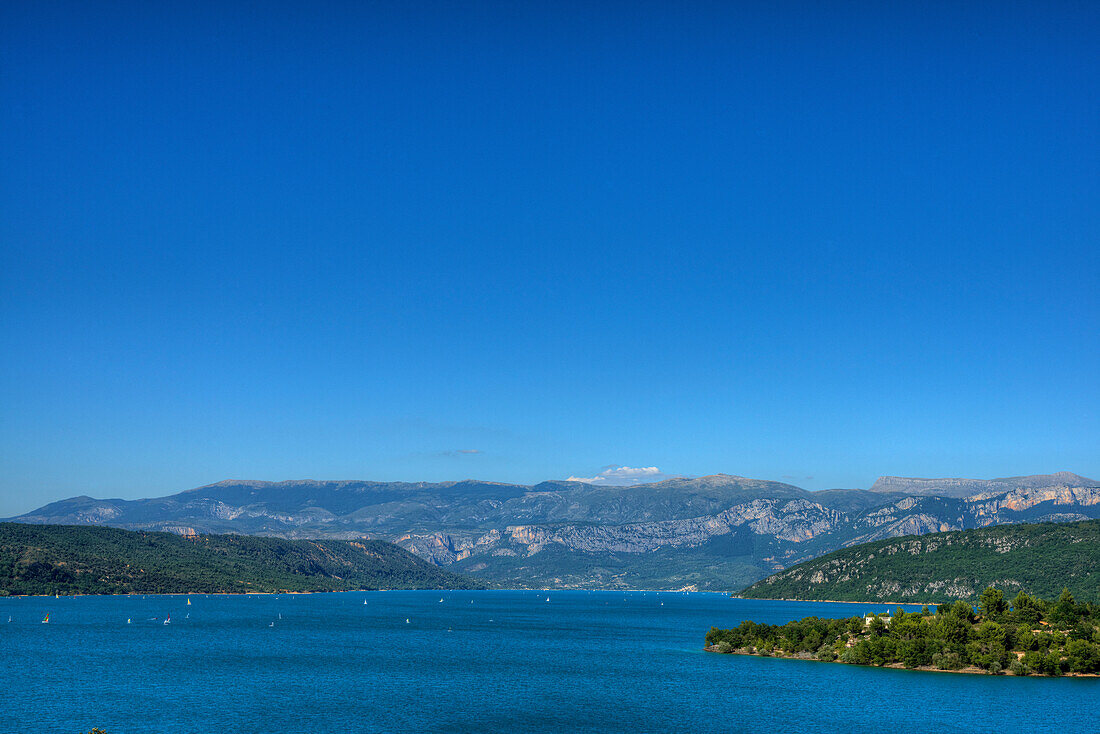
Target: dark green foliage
{"points": [[1028, 609], [1065, 609], [992, 603], [1023, 640], [1041, 557], [48, 559]]}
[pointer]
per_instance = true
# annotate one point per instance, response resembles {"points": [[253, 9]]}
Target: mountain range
{"points": [[713, 532]]}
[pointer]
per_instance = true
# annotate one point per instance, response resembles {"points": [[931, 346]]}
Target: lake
{"points": [[477, 661]]}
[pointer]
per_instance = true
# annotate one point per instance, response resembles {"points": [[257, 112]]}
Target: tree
{"points": [[1026, 640], [1065, 609], [960, 610], [991, 632], [1025, 608], [1083, 657], [953, 631], [993, 604]]}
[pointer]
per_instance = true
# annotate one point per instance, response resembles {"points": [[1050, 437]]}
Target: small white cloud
{"points": [[624, 476]]}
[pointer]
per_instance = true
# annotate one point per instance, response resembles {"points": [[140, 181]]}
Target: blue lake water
{"points": [[477, 661]]}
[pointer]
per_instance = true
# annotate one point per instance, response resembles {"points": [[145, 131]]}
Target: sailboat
{"points": [[188, 601], [129, 620], [46, 620], [168, 619]]}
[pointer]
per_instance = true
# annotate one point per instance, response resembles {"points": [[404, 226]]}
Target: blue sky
{"points": [[524, 241]]}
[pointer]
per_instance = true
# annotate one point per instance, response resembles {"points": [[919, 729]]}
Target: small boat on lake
{"points": [[168, 619], [46, 619]]}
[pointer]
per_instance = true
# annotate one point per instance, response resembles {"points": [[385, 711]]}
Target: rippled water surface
{"points": [[475, 661]]}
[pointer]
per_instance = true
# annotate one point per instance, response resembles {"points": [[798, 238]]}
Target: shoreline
{"points": [[221, 593], [842, 601], [344, 591], [970, 670]]}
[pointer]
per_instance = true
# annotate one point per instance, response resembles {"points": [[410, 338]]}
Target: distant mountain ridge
{"points": [[969, 487], [719, 531]]}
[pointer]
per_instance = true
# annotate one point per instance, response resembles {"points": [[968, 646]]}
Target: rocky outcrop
{"points": [[793, 521], [1025, 499]]}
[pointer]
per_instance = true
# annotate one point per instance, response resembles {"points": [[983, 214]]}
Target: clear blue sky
{"points": [[524, 241]]}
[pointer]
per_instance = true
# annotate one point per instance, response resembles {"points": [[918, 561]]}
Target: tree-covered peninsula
{"points": [[63, 559], [1027, 636]]}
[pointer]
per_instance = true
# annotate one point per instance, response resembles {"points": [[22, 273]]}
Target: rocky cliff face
{"points": [[791, 522], [720, 531]]}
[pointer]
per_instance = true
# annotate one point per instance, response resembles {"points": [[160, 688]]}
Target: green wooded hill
{"points": [[48, 559], [1040, 558]]}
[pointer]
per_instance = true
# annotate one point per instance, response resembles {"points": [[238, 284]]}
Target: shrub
{"points": [[947, 660]]}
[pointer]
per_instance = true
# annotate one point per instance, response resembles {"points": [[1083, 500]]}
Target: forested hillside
{"points": [[48, 559], [1039, 558]]}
